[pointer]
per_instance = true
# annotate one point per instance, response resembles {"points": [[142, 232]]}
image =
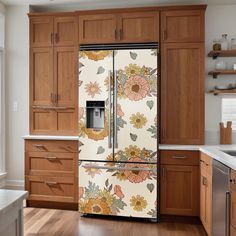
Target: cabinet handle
{"points": [[204, 181], [51, 158], [49, 183], [39, 146], [179, 157], [56, 37], [55, 98], [204, 163], [51, 38], [121, 34]]}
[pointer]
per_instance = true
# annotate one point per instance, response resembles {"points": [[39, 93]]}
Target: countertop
{"points": [[10, 198], [50, 137], [214, 151]]}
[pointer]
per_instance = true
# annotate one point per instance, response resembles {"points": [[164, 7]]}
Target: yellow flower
{"points": [[110, 161], [97, 206], [81, 205], [121, 176], [81, 129], [132, 151], [132, 69], [97, 134], [138, 120], [138, 203], [96, 55], [146, 153], [120, 91], [105, 196], [146, 70]]}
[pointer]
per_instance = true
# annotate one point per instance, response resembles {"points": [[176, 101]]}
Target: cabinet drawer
{"points": [[56, 189], [51, 146], [180, 158], [206, 163], [50, 163]]}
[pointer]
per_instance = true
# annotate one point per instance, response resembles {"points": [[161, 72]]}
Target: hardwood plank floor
{"points": [[47, 222]]}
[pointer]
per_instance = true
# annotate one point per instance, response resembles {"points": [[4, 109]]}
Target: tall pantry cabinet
{"points": [[53, 74]]}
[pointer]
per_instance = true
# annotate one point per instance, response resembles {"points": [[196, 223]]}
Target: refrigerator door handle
{"points": [[109, 109], [115, 110], [117, 168]]}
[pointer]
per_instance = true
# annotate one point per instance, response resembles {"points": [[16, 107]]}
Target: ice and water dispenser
{"points": [[95, 111]]}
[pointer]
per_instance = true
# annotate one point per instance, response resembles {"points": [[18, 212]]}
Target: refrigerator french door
{"points": [[118, 132]]}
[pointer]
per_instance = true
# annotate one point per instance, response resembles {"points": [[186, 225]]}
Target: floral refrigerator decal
{"points": [[118, 126]]}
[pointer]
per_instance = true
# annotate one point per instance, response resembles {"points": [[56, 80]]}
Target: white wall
{"points": [[2, 8], [17, 90], [219, 20]]}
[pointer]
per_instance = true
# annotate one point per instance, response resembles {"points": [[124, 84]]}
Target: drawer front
{"points": [[51, 146], [57, 189], [206, 163], [180, 158], [116, 190], [50, 163]]}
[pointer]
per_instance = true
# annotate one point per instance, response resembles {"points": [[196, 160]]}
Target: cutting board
{"points": [[226, 133]]}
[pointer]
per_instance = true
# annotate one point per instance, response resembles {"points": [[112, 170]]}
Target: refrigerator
{"points": [[118, 131]]}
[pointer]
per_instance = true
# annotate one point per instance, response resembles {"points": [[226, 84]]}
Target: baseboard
{"points": [[3, 180], [15, 184]]}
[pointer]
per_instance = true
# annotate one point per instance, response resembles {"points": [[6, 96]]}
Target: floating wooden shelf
{"points": [[222, 53], [215, 73], [225, 91]]}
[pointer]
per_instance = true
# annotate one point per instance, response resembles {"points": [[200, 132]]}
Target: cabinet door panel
{"points": [[65, 62], [97, 28], [182, 94], [41, 76], [233, 209], [41, 31], [64, 29], [182, 26], [180, 190], [139, 27]]}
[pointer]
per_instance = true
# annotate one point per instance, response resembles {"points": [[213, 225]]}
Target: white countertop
{"points": [[214, 151], [50, 137], [10, 198]]}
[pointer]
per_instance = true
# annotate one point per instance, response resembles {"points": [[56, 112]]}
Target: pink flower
{"points": [[81, 192], [136, 88], [81, 112], [92, 89], [119, 110], [136, 176], [118, 191]]}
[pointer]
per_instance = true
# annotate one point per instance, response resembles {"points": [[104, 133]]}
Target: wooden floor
{"points": [[47, 222]]}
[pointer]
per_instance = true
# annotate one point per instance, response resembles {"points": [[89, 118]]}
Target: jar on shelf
{"points": [[224, 42], [216, 45], [233, 43], [220, 65]]}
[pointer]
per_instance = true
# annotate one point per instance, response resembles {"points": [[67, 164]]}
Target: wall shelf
{"points": [[222, 53], [215, 73], [225, 91]]}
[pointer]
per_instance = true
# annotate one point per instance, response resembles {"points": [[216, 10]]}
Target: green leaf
{"points": [[107, 182], [100, 70], [150, 104], [118, 203], [150, 187], [80, 144], [81, 64], [92, 190], [100, 150], [133, 55], [110, 188], [153, 71], [133, 136]]}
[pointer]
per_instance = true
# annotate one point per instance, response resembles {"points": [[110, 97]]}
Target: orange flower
{"points": [[81, 192], [92, 171], [97, 206], [97, 55], [119, 110], [118, 191], [136, 176]]}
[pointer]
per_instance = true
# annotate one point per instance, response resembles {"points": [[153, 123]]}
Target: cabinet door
{"points": [[41, 76], [206, 201], [139, 27], [65, 79], [182, 93], [182, 26], [180, 190], [41, 31], [64, 31], [233, 209], [96, 29]]}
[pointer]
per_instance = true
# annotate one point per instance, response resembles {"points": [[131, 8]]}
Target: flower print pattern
{"points": [[138, 120], [138, 203], [92, 171], [95, 55], [119, 110], [92, 89], [81, 192], [97, 134], [132, 70], [132, 151], [118, 192], [136, 88], [97, 206]]}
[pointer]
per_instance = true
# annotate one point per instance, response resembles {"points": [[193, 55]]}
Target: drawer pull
{"points": [[117, 168], [40, 146], [203, 162], [51, 158], [49, 183], [179, 157], [204, 181]]}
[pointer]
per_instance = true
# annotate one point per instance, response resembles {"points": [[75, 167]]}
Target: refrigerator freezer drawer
{"points": [[120, 189]]}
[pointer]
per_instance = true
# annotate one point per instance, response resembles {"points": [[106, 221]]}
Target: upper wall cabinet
{"points": [[127, 27], [182, 26], [48, 31]]}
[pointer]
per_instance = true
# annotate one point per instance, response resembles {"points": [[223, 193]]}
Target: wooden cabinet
{"points": [[127, 27], [180, 183], [206, 192], [233, 203], [182, 26], [53, 74], [51, 172], [182, 93]]}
